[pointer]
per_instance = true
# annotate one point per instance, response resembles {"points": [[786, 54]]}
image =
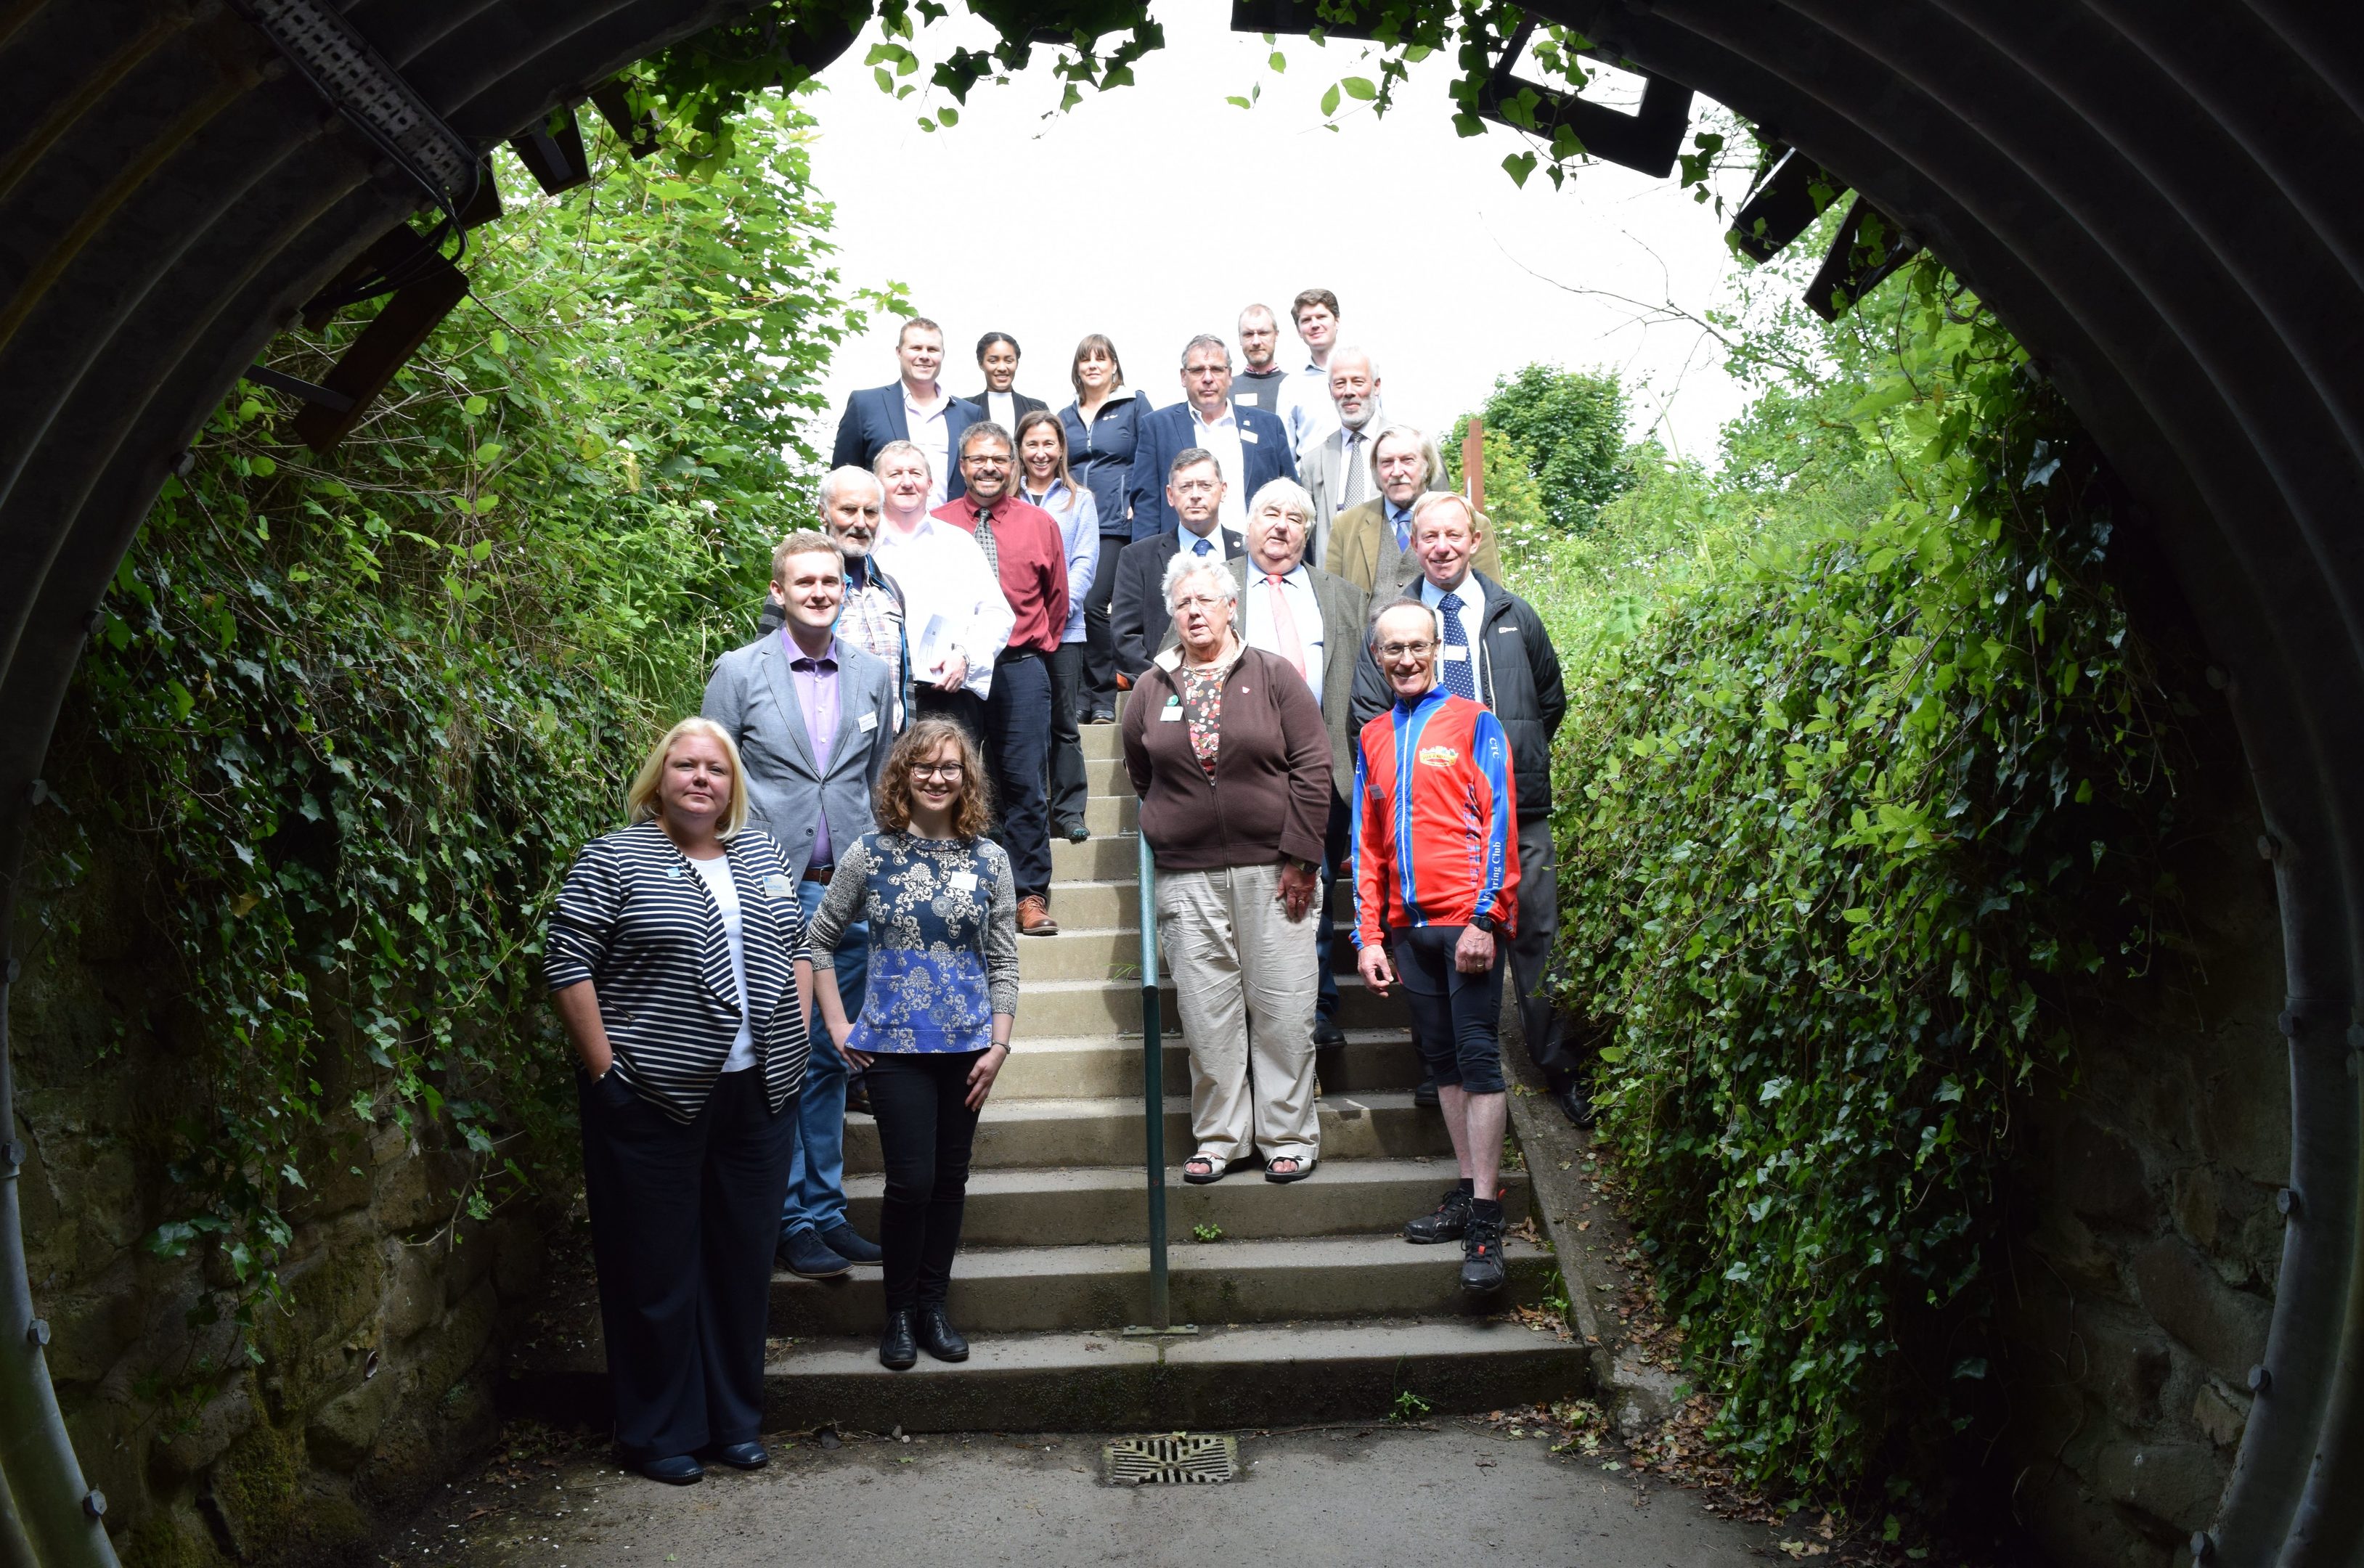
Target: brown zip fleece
{"points": [[1270, 795]]}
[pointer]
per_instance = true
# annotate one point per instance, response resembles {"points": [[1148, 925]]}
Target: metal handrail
{"points": [[1152, 1090]]}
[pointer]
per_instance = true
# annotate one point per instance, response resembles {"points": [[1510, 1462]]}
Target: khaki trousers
{"points": [[1244, 980]]}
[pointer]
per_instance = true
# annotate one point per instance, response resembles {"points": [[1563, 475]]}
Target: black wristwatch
{"points": [[1483, 922]]}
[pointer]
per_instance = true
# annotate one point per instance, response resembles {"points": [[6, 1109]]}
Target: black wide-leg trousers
{"points": [[684, 1218]]}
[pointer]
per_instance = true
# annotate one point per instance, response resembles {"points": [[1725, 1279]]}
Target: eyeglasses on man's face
{"points": [[1405, 650], [948, 772]]}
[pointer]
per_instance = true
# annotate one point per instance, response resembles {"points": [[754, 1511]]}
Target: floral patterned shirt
{"points": [[1202, 708], [943, 940]]}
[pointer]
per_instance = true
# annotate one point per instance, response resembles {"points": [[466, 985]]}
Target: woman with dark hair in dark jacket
{"points": [[1102, 424]]}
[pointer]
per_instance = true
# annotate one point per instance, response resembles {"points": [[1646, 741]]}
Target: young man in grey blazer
{"points": [[813, 716]]}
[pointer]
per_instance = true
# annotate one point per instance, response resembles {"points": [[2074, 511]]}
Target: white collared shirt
{"points": [[1224, 438], [1001, 408], [952, 601], [1303, 608], [1307, 406], [1472, 597], [931, 432]]}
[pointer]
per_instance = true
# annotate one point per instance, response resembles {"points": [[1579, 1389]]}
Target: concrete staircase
{"points": [[1310, 1306]]}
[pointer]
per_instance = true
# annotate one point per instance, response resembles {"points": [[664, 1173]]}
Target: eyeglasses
{"points": [[1400, 649], [945, 771], [1199, 601]]}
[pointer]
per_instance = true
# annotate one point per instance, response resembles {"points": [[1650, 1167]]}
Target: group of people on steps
{"points": [[818, 899]]}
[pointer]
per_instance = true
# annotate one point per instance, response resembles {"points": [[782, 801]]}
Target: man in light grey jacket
{"points": [[1337, 470], [813, 716]]}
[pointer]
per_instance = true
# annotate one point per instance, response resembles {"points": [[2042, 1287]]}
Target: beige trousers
{"points": [[1244, 979]]}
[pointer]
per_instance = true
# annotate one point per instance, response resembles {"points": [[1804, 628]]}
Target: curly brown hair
{"points": [[924, 739]]}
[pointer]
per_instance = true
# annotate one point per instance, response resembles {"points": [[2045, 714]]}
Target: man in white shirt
{"points": [[1337, 471], [916, 408], [955, 615], [1306, 402]]}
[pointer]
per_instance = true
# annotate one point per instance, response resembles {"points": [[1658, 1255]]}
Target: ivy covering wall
{"points": [[1860, 783], [347, 719]]}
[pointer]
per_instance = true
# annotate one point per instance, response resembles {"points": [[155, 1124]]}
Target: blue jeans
{"points": [[817, 1168]]}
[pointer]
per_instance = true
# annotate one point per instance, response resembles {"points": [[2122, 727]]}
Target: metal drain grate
{"points": [[1169, 1460]]}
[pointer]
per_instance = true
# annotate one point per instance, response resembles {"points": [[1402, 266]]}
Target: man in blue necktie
{"points": [[1497, 654], [1195, 489]]}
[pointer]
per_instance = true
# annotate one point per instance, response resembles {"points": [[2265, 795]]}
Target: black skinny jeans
{"points": [[1100, 638], [925, 1134]]}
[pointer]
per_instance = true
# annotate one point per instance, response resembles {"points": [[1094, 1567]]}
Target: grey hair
{"points": [[1263, 310], [1183, 567], [836, 479], [1405, 602], [1355, 352], [900, 448], [1287, 491], [1207, 341], [983, 429], [1432, 459]]}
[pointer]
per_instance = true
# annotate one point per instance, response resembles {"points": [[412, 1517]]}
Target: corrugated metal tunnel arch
{"points": [[2158, 197]]}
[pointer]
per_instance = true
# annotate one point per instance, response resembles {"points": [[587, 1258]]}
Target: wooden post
{"points": [[1473, 464]]}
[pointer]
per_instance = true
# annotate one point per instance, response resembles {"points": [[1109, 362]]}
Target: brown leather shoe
{"points": [[1034, 917]]}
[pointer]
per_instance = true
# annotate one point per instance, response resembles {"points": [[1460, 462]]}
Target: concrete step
{"points": [[1101, 742], [1105, 857], [1106, 775], [1048, 1009], [1114, 905], [1112, 814], [1221, 1378], [1085, 950], [1029, 1289], [1108, 1206], [1108, 1066], [1040, 1133]]}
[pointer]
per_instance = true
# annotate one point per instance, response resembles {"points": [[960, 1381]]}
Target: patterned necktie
{"points": [[1358, 473], [1460, 674], [985, 540], [1284, 627], [1202, 547]]}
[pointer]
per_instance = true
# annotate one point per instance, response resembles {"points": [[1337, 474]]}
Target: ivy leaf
{"points": [[1360, 88], [1518, 165]]}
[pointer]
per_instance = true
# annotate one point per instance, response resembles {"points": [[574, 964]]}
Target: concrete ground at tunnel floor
{"points": [[1348, 1495]]}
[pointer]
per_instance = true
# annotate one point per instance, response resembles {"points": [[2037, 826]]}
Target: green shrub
{"points": [[1842, 823]]}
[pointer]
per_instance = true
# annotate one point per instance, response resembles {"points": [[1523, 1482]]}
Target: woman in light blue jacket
{"points": [[1045, 479]]}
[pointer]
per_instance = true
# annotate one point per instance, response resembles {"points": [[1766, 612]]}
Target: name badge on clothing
{"points": [[1455, 650], [963, 880], [1173, 711], [778, 885], [866, 723], [1246, 434]]}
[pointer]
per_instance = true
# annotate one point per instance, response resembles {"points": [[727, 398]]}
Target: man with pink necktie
{"points": [[1313, 619]]}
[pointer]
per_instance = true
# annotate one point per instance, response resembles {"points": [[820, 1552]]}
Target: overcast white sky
{"points": [[1156, 211]]}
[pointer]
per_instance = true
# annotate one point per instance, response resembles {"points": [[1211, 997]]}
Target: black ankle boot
{"points": [[897, 1348], [938, 1336]]}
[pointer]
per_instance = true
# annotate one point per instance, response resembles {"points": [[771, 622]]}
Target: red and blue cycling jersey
{"points": [[1436, 827]]}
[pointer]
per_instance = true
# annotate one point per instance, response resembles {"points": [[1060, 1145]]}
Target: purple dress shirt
{"points": [[815, 684]]}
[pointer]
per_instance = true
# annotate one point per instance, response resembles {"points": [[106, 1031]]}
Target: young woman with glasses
{"points": [[935, 1022]]}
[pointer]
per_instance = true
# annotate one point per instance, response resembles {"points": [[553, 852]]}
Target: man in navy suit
{"points": [[1250, 446], [915, 408], [1138, 617]]}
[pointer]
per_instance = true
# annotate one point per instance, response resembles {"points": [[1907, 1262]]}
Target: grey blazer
{"points": [[1323, 471], [753, 696], [1343, 608]]}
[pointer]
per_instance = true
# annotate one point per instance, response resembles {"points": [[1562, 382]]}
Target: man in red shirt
{"points": [[1021, 544], [1436, 881]]}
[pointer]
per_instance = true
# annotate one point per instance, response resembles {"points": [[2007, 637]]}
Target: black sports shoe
{"points": [[1424, 1097], [1481, 1252], [1446, 1222]]}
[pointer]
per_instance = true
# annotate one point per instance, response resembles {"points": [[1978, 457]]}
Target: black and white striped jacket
{"points": [[635, 920]]}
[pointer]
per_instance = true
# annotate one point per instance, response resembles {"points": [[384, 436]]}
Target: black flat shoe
{"points": [[675, 1470], [897, 1351], [939, 1338], [741, 1456]]}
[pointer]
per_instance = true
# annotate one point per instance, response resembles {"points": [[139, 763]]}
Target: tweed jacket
{"points": [[635, 920], [1362, 550], [1343, 608], [753, 696]]}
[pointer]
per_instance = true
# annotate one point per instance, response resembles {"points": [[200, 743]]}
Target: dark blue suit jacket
{"points": [[1166, 434], [874, 416]]}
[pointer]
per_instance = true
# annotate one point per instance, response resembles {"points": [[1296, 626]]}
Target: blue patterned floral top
{"points": [[943, 940]]}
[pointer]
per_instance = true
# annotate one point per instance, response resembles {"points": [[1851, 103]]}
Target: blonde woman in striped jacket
{"points": [[676, 960]]}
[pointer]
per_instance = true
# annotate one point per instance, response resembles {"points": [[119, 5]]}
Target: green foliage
{"points": [[1410, 1408], [354, 716], [1564, 435], [1206, 1232], [1847, 816]]}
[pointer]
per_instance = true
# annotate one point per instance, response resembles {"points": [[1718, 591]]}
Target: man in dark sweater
{"points": [[1261, 383]]}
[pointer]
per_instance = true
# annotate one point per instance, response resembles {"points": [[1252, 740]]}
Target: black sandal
{"points": [[1279, 1178], [1216, 1170]]}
